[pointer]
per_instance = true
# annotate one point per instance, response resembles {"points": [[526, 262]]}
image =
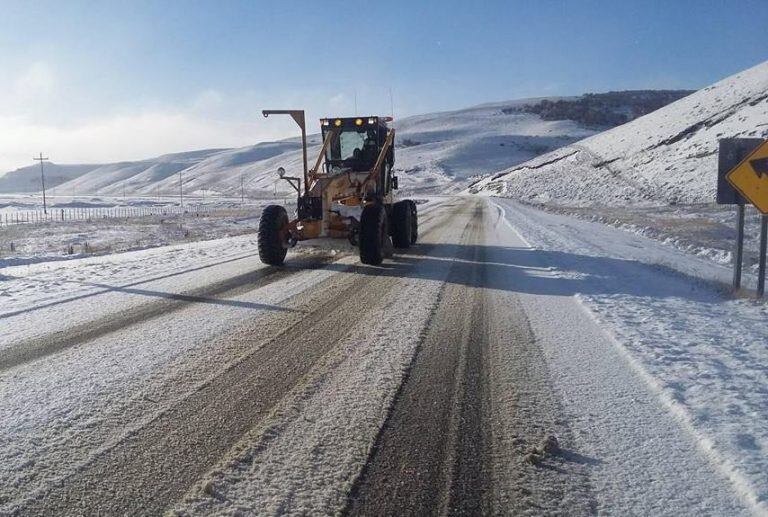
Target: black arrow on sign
{"points": [[760, 166]]}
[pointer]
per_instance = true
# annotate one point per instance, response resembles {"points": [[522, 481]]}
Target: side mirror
{"points": [[280, 172], [394, 182]]}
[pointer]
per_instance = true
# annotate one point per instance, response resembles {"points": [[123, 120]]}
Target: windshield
{"points": [[353, 144]]}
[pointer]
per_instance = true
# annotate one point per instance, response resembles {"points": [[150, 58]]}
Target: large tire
{"points": [[402, 225], [373, 231], [273, 231], [414, 221]]}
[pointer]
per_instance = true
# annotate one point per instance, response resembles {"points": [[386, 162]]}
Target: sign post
{"points": [[732, 152], [738, 252], [761, 264], [750, 178]]}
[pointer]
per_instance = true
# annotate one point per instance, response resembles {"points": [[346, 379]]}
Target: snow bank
{"points": [[701, 351]]}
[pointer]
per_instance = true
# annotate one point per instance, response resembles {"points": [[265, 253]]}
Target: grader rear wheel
{"points": [[414, 221], [402, 224]]}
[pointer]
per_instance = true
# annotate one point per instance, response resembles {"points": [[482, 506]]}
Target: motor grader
{"points": [[348, 194]]}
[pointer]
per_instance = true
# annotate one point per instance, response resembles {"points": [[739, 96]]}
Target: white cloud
{"points": [[124, 137], [208, 100], [36, 83], [38, 114], [33, 105]]}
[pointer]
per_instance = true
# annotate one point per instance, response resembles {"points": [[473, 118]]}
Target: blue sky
{"points": [[106, 81]]}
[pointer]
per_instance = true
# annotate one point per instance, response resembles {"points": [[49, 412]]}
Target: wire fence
{"points": [[54, 215]]}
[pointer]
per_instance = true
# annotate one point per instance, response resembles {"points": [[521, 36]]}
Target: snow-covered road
{"points": [[703, 354], [193, 377]]}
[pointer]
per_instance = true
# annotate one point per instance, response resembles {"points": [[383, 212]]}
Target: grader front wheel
{"points": [[273, 233], [373, 231]]}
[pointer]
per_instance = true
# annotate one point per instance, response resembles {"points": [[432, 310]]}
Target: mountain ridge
{"points": [[436, 153]]}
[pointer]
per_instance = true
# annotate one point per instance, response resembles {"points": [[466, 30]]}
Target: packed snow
{"points": [[62, 410], [662, 375], [704, 230], [700, 349], [638, 431]]}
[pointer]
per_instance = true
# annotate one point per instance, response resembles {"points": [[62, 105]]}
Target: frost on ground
{"points": [[306, 458], [704, 353], [706, 230], [68, 407], [63, 409], [59, 240]]}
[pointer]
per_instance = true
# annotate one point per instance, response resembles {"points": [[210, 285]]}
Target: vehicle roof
{"points": [[350, 120]]}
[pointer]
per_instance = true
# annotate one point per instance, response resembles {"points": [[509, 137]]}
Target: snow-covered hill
{"points": [[27, 179], [668, 156], [439, 152]]}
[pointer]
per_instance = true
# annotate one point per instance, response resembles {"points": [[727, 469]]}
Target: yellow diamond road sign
{"points": [[750, 177]]}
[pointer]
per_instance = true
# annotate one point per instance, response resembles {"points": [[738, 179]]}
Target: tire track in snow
{"points": [[476, 400], [304, 458], [27, 351], [154, 465], [151, 466]]}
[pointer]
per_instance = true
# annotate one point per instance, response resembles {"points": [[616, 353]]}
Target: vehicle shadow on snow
{"points": [[189, 298], [242, 280], [532, 271]]}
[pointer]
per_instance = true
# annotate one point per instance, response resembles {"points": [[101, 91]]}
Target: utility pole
{"points": [[42, 180], [181, 191]]}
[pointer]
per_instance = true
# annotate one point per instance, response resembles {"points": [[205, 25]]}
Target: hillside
{"points": [[602, 109], [668, 156], [435, 153], [27, 179]]}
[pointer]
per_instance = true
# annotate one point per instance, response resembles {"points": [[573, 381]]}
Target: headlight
{"points": [[359, 122], [337, 123]]}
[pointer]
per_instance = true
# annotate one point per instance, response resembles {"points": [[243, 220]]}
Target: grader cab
{"points": [[348, 194]]}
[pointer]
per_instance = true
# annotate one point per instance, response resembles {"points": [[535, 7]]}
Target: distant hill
{"points": [[437, 152], [667, 156], [27, 179]]}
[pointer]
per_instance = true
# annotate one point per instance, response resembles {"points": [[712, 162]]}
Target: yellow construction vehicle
{"points": [[348, 194]]}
